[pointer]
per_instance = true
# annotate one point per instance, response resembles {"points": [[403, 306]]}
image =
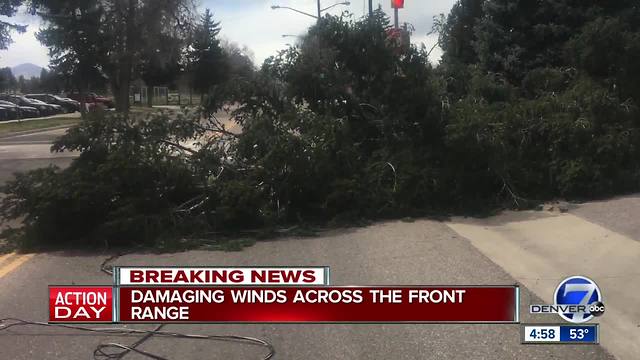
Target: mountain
{"points": [[27, 70]]}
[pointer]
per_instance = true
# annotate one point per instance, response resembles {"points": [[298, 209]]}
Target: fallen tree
{"points": [[339, 128]]}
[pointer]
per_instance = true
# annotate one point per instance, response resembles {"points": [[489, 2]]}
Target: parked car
{"points": [[44, 108], [22, 112], [56, 109], [108, 102], [68, 105], [9, 112], [95, 99], [4, 114]]}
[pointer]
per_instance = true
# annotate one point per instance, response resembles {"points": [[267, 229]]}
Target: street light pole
{"points": [[320, 9], [274, 7], [346, 3]]}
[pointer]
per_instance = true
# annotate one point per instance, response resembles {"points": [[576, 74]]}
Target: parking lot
{"points": [[32, 106]]}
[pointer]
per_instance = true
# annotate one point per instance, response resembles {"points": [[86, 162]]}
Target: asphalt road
{"points": [[29, 151], [423, 252], [395, 253]]}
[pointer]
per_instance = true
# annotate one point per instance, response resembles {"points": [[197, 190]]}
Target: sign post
{"points": [[396, 4]]}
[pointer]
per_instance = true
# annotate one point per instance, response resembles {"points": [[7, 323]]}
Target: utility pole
{"points": [[370, 7], [396, 19], [319, 11]]}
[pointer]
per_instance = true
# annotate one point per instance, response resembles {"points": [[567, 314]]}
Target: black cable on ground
{"points": [[102, 353], [116, 351], [124, 349]]}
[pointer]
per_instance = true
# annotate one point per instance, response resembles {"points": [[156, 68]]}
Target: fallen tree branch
{"points": [[181, 147]]}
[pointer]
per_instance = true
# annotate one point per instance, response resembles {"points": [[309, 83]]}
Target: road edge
{"points": [[33, 131]]}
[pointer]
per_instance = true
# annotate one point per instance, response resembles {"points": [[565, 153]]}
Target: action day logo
{"points": [[578, 299]]}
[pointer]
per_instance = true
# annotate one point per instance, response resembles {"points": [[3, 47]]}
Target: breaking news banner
{"points": [[221, 276], [335, 304]]}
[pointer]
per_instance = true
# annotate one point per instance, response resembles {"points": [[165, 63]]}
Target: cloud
{"points": [[255, 24], [25, 49]]}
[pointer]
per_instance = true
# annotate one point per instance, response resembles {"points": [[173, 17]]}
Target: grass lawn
{"points": [[7, 128], [143, 110]]}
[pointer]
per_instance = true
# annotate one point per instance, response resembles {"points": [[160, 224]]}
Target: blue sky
{"points": [[253, 23]]}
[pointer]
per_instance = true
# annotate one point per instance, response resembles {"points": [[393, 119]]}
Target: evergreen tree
{"points": [[110, 38], [459, 31], [9, 8], [52, 82], [22, 83], [207, 62], [77, 42], [514, 37], [457, 36], [7, 80], [161, 57]]}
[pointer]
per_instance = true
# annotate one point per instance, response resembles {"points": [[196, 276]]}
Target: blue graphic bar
{"points": [[579, 334], [560, 334]]}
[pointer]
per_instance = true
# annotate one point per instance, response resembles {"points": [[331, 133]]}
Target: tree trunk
{"points": [[115, 91], [125, 65], [124, 83], [83, 100]]}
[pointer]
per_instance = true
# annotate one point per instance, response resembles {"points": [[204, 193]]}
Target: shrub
{"points": [[582, 143]]}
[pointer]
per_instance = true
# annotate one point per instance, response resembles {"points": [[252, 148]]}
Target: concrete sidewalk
{"points": [[540, 249], [75, 115]]}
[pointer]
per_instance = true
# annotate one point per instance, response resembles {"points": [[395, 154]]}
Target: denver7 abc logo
{"points": [[577, 299]]}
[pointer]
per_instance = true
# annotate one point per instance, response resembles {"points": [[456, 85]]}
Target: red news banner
{"points": [[199, 298]]}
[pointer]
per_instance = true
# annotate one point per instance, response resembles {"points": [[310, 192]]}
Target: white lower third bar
{"points": [[541, 334]]}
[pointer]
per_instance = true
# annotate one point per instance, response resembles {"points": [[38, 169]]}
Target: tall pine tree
{"points": [[207, 62], [112, 37], [458, 33]]}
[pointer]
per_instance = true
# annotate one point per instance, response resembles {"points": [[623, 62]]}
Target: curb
{"points": [[34, 131]]}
